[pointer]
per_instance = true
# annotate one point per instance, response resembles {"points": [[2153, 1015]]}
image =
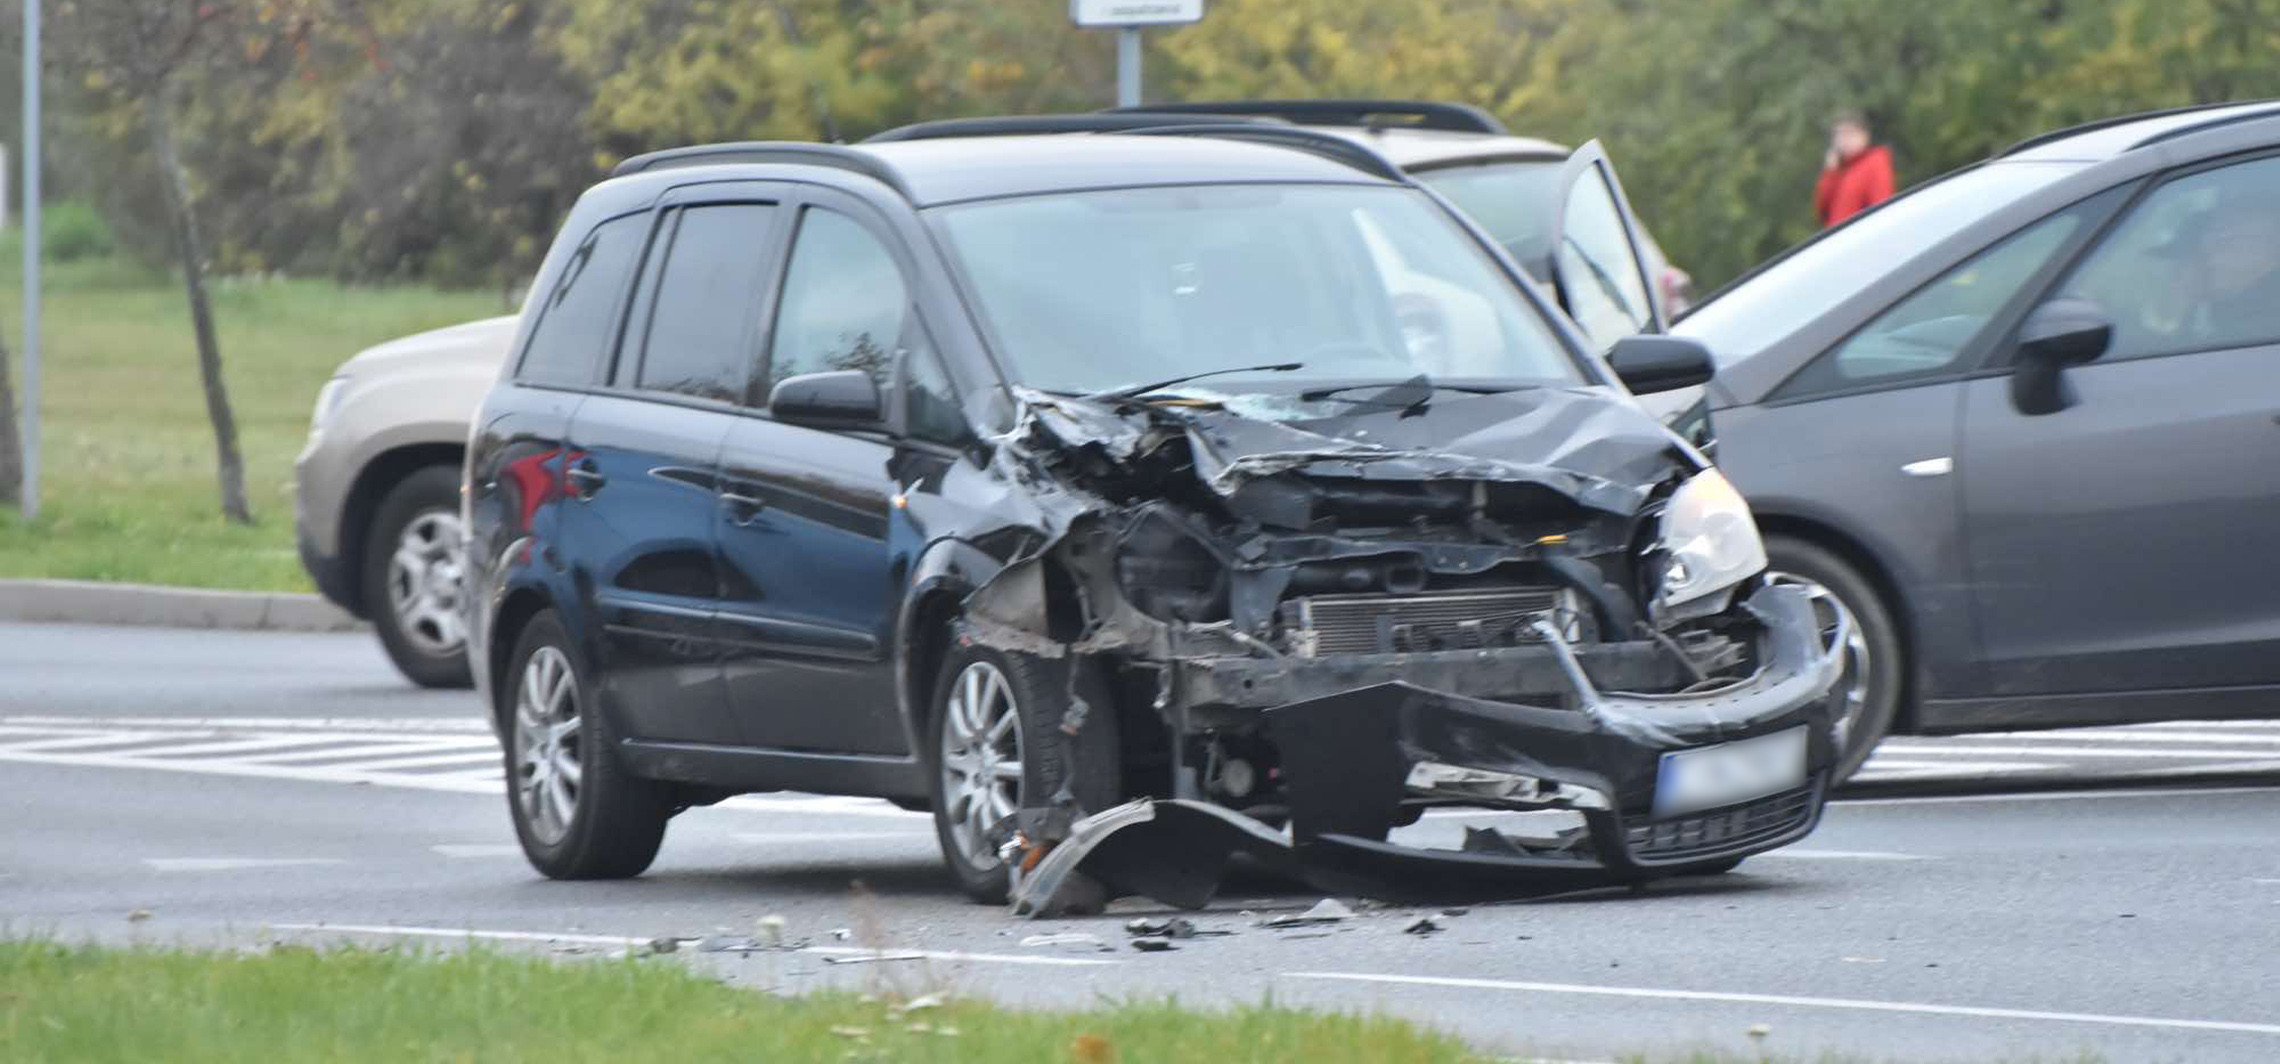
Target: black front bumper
{"points": [[1359, 763]]}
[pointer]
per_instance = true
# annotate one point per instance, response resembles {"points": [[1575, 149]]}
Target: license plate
{"points": [[1710, 776]]}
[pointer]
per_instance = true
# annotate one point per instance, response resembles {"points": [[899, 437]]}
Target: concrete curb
{"points": [[96, 602]]}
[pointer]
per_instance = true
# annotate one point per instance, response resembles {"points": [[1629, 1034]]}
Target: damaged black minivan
{"points": [[1128, 499]]}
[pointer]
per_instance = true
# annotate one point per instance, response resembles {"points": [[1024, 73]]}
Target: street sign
{"points": [[1109, 13]]}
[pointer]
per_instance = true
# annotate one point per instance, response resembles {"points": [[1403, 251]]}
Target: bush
{"points": [[74, 230]]}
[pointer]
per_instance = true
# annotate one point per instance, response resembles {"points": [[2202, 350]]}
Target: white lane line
{"points": [[469, 725], [2272, 724], [1977, 1011], [2045, 749], [464, 757], [863, 952], [232, 864], [772, 838], [823, 806], [88, 741], [243, 746], [458, 850], [429, 782], [1967, 743], [1848, 855], [2058, 796], [1876, 771], [385, 748]]}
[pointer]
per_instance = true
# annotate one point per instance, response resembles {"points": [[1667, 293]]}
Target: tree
{"points": [[11, 438]]}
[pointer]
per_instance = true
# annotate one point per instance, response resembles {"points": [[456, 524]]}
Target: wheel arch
{"points": [[1852, 551], [507, 624], [373, 482]]}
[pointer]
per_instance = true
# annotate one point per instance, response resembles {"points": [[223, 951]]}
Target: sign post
{"points": [[1127, 17]]}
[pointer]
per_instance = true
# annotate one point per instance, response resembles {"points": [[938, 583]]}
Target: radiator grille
{"points": [[1456, 620], [1721, 831]]}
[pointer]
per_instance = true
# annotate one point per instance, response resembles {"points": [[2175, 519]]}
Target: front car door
{"points": [[2117, 544], [1600, 265], [803, 525]]}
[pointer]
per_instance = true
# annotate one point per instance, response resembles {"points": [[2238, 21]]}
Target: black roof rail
{"points": [[1407, 114], [2213, 123], [2041, 139], [1017, 125], [1334, 148], [766, 151]]}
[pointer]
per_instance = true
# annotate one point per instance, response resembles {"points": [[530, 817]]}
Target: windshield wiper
{"points": [[1138, 390], [1412, 393]]}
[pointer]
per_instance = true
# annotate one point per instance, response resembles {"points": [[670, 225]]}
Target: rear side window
{"points": [[578, 318], [700, 329]]}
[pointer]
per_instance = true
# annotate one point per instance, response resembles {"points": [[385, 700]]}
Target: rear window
{"points": [[577, 319], [1515, 201]]}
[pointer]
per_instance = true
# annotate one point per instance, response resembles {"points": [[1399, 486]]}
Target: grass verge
{"points": [[93, 1004], [129, 489]]}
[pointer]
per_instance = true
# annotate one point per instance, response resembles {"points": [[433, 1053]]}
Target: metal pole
{"points": [[1128, 66], [31, 152]]}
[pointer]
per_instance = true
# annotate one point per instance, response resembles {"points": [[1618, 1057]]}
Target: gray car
{"points": [[2019, 424]]}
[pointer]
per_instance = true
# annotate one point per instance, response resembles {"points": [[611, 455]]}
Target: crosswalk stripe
{"points": [[2094, 735], [460, 757], [2052, 750], [353, 751], [89, 742], [242, 746]]}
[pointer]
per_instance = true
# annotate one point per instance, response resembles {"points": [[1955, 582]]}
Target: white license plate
{"points": [[1710, 776]]}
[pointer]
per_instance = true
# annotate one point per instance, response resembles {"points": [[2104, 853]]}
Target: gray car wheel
{"points": [[413, 575], [1869, 690], [578, 812]]}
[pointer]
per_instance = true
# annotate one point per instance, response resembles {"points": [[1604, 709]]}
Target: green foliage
{"points": [[73, 231]]}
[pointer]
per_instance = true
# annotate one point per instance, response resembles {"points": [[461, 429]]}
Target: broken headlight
{"points": [[1709, 541]]}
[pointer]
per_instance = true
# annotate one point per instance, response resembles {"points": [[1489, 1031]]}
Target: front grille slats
{"points": [[1377, 624], [1720, 831]]}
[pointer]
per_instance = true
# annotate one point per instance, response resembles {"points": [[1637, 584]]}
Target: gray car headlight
{"points": [[328, 397], [1709, 541]]}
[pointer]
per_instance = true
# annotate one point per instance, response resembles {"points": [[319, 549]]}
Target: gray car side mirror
{"points": [[1648, 364], [2067, 331]]}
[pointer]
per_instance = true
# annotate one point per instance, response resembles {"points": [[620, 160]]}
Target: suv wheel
{"points": [[578, 813], [413, 578], [994, 737], [1870, 685]]}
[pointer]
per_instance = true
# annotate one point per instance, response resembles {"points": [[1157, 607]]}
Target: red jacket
{"points": [[1855, 185]]}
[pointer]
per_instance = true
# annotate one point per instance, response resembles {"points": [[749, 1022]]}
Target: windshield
{"points": [[1515, 201], [1092, 291], [1770, 305]]}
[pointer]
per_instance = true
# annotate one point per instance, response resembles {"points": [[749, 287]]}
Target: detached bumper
{"points": [[1359, 763]]}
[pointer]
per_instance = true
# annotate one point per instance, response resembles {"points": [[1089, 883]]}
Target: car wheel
{"points": [[413, 578], [994, 737], [577, 811], [1869, 689]]}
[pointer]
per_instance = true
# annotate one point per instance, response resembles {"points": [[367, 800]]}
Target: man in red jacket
{"points": [[1856, 175]]}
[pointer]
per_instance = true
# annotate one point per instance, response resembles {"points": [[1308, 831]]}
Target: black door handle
{"points": [[585, 480], [742, 508]]}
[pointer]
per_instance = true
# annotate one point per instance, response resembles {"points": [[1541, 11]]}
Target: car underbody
{"points": [[1315, 639]]}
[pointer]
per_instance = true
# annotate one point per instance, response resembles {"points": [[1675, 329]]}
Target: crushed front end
{"points": [[1355, 657]]}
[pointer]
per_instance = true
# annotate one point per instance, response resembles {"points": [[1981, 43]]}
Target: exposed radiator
{"points": [[1450, 620]]}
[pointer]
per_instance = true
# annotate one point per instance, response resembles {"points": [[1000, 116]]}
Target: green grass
{"points": [[128, 483], [87, 1004]]}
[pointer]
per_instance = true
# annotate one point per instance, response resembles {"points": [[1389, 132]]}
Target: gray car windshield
{"points": [[1090, 291], [1516, 201], [1793, 291]]}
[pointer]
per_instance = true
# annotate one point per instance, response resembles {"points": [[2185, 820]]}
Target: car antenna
{"points": [[1138, 390]]}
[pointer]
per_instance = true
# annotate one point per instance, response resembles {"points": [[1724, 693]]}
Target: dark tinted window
{"points": [[2195, 267], [578, 316], [844, 303], [700, 327]]}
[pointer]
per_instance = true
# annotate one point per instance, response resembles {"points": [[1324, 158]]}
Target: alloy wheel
{"points": [[1833, 616], [549, 756], [424, 580], [981, 759]]}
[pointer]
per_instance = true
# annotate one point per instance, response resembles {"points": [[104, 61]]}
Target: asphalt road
{"points": [[240, 787]]}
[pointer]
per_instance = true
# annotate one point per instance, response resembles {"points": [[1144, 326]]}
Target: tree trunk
{"points": [[229, 464], [11, 439]]}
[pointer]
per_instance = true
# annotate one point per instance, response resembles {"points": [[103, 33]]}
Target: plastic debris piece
{"points": [[1153, 945], [841, 934], [664, 944], [1064, 938], [1458, 911], [1423, 925], [1175, 927], [726, 944], [770, 929], [925, 1001], [874, 958], [1759, 1030], [1326, 911], [852, 1032], [136, 916]]}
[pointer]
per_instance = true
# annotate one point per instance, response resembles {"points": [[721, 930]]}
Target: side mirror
{"points": [[840, 399], [1650, 364], [2067, 331]]}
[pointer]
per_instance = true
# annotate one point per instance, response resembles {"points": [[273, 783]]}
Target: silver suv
{"points": [[377, 505]]}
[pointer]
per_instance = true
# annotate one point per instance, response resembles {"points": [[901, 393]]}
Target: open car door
{"points": [[1599, 262]]}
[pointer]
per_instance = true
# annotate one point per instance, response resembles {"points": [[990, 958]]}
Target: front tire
{"points": [[994, 740], [1871, 686], [413, 576], [577, 812]]}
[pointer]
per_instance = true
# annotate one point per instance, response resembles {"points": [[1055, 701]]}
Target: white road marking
{"points": [[2092, 735], [485, 757], [393, 747], [863, 952], [1848, 855], [2056, 749], [87, 740], [242, 746], [469, 725], [2059, 796], [478, 849], [1975, 1011], [774, 838], [232, 864]]}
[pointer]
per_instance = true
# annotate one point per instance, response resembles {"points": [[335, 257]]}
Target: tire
{"points": [[413, 577], [602, 823], [1038, 690], [1876, 669]]}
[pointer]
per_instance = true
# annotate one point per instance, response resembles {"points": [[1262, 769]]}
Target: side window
{"points": [[578, 318], [1598, 269], [844, 304], [1928, 333], [699, 331], [2195, 267], [930, 410]]}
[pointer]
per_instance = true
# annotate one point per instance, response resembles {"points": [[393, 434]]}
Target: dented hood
{"points": [[1593, 445]]}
